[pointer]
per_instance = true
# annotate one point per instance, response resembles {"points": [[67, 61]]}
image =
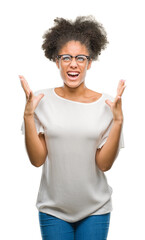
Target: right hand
{"points": [[31, 100]]}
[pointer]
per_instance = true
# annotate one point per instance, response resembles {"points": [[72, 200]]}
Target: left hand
{"points": [[116, 106]]}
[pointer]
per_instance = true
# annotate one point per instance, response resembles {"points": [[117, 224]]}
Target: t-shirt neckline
{"points": [[76, 102]]}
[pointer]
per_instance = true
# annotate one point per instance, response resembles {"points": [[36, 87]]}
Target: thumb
{"points": [[108, 102], [40, 96], [30, 95]]}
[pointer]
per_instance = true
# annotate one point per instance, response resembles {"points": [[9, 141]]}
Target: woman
{"points": [[75, 133]]}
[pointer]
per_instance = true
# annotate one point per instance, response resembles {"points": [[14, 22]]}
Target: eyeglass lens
{"points": [[68, 58]]}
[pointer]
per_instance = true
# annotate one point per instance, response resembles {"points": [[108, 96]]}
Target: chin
{"points": [[73, 84]]}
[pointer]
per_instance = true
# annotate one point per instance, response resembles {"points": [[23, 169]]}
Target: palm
{"points": [[32, 100], [116, 106]]}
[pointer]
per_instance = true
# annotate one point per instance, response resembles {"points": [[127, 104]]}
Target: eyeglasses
{"points": [[66, 58]]}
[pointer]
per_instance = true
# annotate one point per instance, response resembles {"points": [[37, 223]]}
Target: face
{"points": [[73, 73]]}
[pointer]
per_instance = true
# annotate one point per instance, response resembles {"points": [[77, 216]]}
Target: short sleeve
{"points": [[106, 134], [38, 125]]}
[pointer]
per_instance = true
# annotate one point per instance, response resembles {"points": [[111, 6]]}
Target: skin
{"points": [[116, 106], [35, 143], [77, 91], [106, 155]]}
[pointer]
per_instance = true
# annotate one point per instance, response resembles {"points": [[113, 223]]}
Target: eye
{"points": [[66, 58], [81, 58]]}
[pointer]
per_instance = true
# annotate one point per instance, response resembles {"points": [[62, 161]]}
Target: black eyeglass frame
{"points": [[88, 57]]}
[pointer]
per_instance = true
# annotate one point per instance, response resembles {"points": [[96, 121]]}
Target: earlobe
{"points": [[57, 63], [89, 64]]}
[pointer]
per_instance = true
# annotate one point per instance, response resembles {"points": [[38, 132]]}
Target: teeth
{"points": [[73, 73]]}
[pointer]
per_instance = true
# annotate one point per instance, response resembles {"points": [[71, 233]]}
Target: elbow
{"points": [[37, 164], [105, 169], [103, 166]]}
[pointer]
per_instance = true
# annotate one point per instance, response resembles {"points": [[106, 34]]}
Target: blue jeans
{"points": [[94, 227]]}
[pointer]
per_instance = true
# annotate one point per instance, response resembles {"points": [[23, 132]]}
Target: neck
{"points": [[74, 91]]}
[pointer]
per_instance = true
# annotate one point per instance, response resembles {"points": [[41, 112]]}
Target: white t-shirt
{"points": [[72, 186]]}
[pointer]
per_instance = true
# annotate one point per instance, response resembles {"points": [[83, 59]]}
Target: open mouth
{"points": [[73, 75]]}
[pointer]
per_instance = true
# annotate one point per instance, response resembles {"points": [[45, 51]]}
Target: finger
{"points": [[120, 84], [122, 90], [30, 95], [25, 86], [121, 87], [24, 83], [119, 99], [116, 100]]}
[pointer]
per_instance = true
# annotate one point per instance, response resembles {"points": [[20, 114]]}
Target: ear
{"points": [[89, 64], [57, 62]]}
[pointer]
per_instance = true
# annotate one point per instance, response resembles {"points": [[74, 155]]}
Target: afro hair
{"points": [[84, 29]]}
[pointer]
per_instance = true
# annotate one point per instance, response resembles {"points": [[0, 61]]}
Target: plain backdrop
{"points": [[22, 25]]}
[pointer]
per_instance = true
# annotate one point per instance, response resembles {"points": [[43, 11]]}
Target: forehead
{"points": [[74, 48]]}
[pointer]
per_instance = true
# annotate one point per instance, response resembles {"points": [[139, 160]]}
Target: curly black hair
{"points": [[84, 29]]}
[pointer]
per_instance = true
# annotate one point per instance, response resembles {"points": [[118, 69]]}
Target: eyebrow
{"points": [[74, 56]]}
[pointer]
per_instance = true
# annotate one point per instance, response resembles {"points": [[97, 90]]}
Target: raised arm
{"points": [[106, 155], [35, 144]]}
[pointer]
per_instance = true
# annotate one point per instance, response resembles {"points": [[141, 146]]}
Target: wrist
{"points": [[26, 115], [118, 121]]}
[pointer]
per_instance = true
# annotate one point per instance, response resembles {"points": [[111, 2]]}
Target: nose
{"points": [[73, 63]]}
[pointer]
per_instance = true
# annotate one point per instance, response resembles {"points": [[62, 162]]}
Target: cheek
{"points": [[84, 70], [62, 72], [60, 69]]}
